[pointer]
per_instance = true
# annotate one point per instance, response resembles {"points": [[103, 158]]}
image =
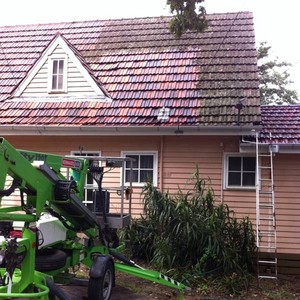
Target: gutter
{"points": [[127, 130], [279, 149]]}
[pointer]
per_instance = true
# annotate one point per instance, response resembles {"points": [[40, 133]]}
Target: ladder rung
{"points": [[267, 244], [266, 216], [265, 232], [264, 167], [264, 225], [266, 205], [267, 241], [269, 234], [264, 155], [267, 247], [267, 277], [267, 219], [265, 179], [274, 262], [266, 192]]}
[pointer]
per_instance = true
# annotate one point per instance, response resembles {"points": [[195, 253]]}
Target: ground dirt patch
{"points": [[132, 287], [287, 288]]}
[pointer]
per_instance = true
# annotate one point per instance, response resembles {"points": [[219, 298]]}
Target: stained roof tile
{"points": [[283, 122], [143, 67]]}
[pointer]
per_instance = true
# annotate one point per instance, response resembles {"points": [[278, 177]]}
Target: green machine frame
{"points": [[43, 189]]}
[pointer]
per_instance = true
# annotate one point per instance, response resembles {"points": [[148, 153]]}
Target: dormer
{"points": [[61, 72]]}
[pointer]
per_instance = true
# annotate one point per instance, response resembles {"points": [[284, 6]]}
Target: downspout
{"points": [[161, 155], [222, 173]]}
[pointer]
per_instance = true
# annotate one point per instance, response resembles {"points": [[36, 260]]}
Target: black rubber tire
{"points": [[101, 288], [55, 290], [50, 259]]}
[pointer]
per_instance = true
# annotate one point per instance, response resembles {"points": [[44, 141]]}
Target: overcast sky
{"points": [[276, 22]]}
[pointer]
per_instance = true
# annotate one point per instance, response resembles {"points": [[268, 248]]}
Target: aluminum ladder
{"points": [[266, 237]]}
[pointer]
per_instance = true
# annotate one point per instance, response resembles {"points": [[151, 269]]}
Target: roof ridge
{"points": [[113, 19], [280, 105]]}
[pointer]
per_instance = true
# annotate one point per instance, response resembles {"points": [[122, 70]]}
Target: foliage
{"points": [[189, 15], [274, 79], [190, 237]]}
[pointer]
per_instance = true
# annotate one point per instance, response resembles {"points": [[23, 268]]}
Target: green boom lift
{"points": [[58, 232]]}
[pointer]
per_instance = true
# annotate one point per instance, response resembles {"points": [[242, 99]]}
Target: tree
{"points": [[274, 78], [189, 15]]}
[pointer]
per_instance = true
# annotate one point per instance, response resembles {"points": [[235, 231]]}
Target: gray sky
{"points": [[276, 22]]}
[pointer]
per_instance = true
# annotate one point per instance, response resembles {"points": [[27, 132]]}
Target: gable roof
{"points": [[200, 77]]}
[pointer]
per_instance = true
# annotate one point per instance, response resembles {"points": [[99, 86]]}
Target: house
{"points": [[129, 88]]}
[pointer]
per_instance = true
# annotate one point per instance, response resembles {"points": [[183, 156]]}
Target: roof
{"points": [[283, 122], [200, 77]]}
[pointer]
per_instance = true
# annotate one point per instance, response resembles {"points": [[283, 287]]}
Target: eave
{"points": [[126, 130], [281, 148]]}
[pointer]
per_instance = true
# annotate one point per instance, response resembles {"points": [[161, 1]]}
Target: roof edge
{"points": [[281, 148], [136, 130]]}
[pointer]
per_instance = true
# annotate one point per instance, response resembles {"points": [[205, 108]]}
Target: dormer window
{"points": [[57, 74]]}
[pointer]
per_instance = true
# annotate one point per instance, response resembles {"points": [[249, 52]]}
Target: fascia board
{"points": [[283, 148], [134, 131]]}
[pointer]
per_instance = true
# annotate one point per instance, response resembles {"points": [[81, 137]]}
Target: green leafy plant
{"points": [[187, 15], [191, 237]]}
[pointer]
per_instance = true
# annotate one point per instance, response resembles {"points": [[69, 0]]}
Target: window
{"points": [[91, 186], [240, 171], [57, 74], [144, 167]]}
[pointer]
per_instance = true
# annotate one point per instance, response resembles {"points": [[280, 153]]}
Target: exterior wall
{"points": [[287, 191], [178, 157]]}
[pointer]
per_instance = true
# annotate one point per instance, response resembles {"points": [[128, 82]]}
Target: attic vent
{"points": [[164, 114]]}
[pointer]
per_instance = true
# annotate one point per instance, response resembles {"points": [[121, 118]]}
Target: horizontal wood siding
{"points": [[178, 158], [182, 156], [77, 84], [287, 198], [39, 84]]}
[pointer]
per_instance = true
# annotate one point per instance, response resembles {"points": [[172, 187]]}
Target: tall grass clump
{"points": [[192, 237]]}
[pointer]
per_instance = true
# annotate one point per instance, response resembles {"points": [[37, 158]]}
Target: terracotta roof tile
{"points": [[283, 122], [143, 68]]}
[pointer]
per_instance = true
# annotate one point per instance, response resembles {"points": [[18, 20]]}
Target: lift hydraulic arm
{"points": [[44, 188]]}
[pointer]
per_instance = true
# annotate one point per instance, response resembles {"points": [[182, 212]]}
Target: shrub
{"points": [[191, 235]]}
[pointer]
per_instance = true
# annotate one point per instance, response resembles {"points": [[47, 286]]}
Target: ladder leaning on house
{"points": [[266, 237]]}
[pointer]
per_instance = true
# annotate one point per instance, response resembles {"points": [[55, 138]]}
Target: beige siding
{"points": [[287, 193], [76, 83], [178, 157], [181, 156]]}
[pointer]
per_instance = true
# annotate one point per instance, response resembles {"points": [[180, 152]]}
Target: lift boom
{"points": [[58, 230]]}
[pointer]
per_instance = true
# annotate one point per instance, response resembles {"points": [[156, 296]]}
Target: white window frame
{"points": [[155, 166], [88, 186], [226, 172], [51, 59]]}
